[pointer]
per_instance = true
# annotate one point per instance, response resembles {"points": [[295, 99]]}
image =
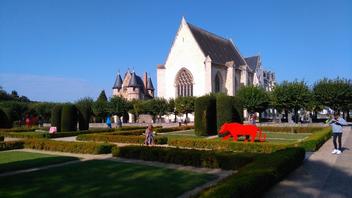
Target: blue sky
{"points": [[63, 50]]}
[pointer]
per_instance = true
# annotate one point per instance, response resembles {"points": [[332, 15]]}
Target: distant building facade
{"points": [[133, 86], [200, 62]]}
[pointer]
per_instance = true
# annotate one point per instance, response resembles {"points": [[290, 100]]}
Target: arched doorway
{"points": [[184, 83]]}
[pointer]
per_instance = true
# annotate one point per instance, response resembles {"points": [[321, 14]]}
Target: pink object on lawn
{"points": [[52, 130]]}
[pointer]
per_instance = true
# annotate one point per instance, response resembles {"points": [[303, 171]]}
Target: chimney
{"points": [[145, 80]]}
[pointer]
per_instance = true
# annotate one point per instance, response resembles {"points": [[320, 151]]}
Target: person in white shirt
{"points": [[337, 123]]}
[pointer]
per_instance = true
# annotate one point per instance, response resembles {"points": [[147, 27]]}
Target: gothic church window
{"points": [[184, 83], [218, 83]]}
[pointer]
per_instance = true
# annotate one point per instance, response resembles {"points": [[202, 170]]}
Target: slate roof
{"points": [[219, 49], [253, 62], [135, 81], [118, 82], [150, 84]]}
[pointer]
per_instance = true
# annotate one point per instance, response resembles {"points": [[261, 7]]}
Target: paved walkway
{"points": [[322, 174]]}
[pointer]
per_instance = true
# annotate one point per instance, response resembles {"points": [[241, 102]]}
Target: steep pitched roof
{"points": [[219, 49], [135, 81], [253, 62], [150, 84], [118, 82]]}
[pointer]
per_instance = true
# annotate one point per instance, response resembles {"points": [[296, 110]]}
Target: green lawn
{"points": [[18, 160], [102, 178]]}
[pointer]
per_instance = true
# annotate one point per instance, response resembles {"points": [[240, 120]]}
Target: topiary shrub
{"points": [[228, 110], [84, 114], [69, 118], [5, 121], [56, 117], [205, 116]]}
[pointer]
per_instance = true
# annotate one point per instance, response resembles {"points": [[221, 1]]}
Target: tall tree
{"points": [[156, 107], [291, 97], [118, 106], [185, 105], [334, 93], [171, 108], [253, 98], [102, 96]]}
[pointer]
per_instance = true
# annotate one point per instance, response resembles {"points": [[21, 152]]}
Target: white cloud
{"points": [[48, 88]]}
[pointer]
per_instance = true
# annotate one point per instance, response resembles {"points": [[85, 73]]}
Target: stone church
{"points": [[133, 86], [200, 62]]}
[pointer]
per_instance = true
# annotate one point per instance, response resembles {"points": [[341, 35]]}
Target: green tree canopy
{"points": [[118, 106], [102, 96], [185, 105], [253, 98]]}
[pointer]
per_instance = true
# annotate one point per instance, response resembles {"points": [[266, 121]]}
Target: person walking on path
{"points": [[337, 123], [108, 121], [149, 137]]}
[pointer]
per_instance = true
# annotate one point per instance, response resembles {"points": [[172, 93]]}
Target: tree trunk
{"points": [[286, 115], [296, 116], [175, 117]]}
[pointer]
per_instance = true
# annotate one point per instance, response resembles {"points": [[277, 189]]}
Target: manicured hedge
{"points": [[228, 109], [128, 128], [84, 114], [172, 129], [293, 129], [69, 118], [218, 144], [56, 117], [70, 147], [10, 145], [316, 140], [205, 116], [24, 129], [120, 138], [5, 121], [254, 179], [188, 157], [129, 132]]}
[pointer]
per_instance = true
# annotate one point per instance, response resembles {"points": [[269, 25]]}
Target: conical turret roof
{"points": [[150, 84], [118, 82], [133, 81]]}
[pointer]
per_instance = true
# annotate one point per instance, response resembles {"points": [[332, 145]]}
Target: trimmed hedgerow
{"points": [[172, 129], [225, 145], [10, 145], [120, 138], [84, 114], [316, 140], [293, 129], [188, 157], [254, 179], [69, 118], [228, 109], [128, 128], [70, 147], [5, 121], [56, 117], [24, 129], [129, 132], [205, 116]]}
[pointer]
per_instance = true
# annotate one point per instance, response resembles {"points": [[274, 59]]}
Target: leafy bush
{"points": [[5, 121], [129, 132], [188, 157], [11, 145], [2, 138], [293, 129], [69, 118], [56, 117], [205, 116], [227, 110], [24, 129], [120, 138], [218, 144], [172, 129], [255, 178], [70, 147]]}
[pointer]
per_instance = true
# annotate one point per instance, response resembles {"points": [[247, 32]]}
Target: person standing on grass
{"points": [[149, 137], [337, 123]]}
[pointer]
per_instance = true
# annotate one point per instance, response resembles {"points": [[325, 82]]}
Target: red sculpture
{"points": [[236, 129]]}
